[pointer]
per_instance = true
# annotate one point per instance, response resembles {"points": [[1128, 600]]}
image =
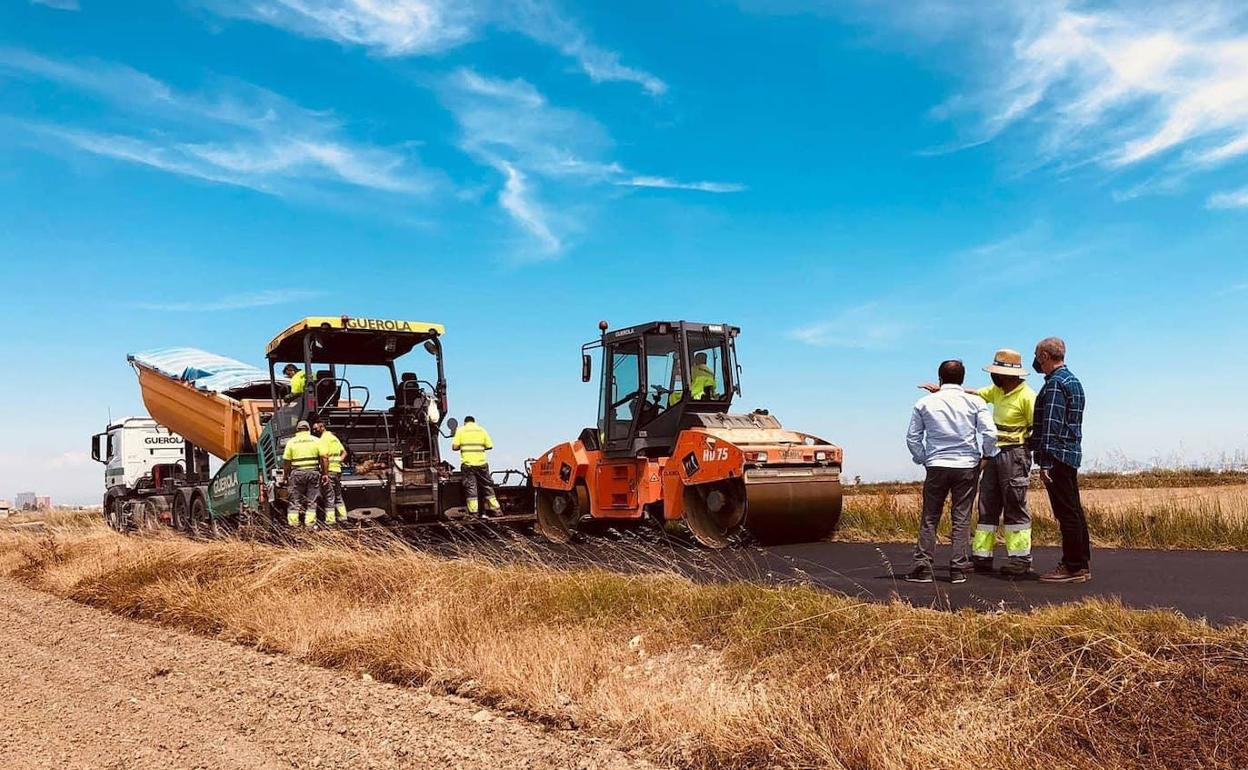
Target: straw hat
{"points": [[1007, 362]]}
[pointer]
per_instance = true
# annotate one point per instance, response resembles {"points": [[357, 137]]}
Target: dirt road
{"points": [[85, 689]]}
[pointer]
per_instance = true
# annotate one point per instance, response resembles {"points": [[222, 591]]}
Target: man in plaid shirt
{"points": [[1057, 441]]}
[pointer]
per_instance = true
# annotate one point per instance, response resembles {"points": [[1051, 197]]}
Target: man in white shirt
{"points": [[951, 433]]}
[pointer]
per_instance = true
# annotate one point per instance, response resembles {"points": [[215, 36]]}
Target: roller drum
{"points": [[792, 505]]}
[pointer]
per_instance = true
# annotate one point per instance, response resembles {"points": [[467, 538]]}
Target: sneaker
{"points": [[957, 575], [1064, 574], [920, 575]]}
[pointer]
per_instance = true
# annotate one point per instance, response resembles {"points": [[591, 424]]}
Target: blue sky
{"points": [[865, 188]]}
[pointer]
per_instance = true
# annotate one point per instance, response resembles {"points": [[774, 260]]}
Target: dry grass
{"points": [[1186, 517], [1156, 478], [725, 675]]}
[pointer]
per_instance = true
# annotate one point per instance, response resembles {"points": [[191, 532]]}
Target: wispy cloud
{"points": [[1116, 84], [232, 133], [665, 183], [60, 5], [68, 459], [516, 200], [1234, 199], [425, 27], [541, 149], [868, 326], [242, 301]]}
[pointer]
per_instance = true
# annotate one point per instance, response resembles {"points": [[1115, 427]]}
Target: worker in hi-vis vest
{"points": [[298, 381], [472, 442], [331, 490], [306, 468], [1005, 478], [703, 379]]}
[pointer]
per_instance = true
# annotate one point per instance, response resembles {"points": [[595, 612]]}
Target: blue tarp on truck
{"points": [[205, 371]]}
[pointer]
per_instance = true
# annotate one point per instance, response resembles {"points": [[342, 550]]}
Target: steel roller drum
{"points": [[792, 505]]}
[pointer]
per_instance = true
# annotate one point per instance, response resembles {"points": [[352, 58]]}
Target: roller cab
{"points": [[667, 447]]}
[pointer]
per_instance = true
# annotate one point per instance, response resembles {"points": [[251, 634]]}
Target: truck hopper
{"points": [[212, 401]]}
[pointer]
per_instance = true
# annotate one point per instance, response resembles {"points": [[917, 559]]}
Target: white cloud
{"points": [[1235, 199], [425, 27], [515, 198], [60, 5], [1116, 84], [68, 459], [666, 183], [242, 301], [234, 133], [541, 150], [868, 326]]}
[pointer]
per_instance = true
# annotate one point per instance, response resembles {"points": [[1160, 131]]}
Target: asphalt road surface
{"points": [[1208, 584]]}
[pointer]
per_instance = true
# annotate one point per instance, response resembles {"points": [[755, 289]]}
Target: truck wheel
{"points": [[146, 516], [112, 514], [200, 521], [177, 512]]}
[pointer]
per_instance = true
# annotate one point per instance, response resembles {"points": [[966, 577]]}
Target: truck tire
{"points": [[200, 525], [178, 511], [113, 515]]}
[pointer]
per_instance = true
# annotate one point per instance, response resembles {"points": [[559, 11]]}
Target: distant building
{"points": [[25, 501], [43, 503], [6, 508]]}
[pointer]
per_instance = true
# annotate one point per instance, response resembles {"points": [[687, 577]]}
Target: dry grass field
{"points": [[1209, 517], [696, 676]]}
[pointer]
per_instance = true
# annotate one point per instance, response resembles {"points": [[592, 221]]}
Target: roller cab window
{"points": [[623, 390]]}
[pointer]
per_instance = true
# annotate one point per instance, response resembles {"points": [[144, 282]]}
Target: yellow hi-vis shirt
{"points": [[298, 383], [304, 451], [472, 441], [333, 450], [1012, 412], [703, 378]]}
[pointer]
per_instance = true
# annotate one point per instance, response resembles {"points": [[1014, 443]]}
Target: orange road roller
{"points": [[667, 448]]}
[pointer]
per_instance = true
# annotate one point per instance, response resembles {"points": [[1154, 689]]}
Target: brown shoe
{"points": [[1064, 574]]}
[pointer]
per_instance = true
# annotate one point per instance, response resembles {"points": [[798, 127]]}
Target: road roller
{"points": [[667, 447]]}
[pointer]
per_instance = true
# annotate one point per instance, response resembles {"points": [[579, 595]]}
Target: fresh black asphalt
{"points": [[1199, 584]]}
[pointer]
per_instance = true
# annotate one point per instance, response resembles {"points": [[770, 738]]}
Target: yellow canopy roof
{"points": [[288, 345]]}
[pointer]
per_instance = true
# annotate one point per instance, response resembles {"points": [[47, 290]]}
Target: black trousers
{"points": [[1071, 520]]}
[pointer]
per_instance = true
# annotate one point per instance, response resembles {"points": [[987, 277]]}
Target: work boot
{"points": [[292, 519], [342, 515], [309, 520], [1064, 574], [920, 574], [983, 565], [1018, 571]]}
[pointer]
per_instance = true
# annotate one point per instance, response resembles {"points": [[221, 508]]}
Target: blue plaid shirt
{"points": [[1057, 435]]}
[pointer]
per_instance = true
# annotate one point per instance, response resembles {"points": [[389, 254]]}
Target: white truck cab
{"points": [[130, 447]]}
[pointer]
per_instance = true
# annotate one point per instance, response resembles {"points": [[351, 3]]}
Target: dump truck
{"points": [[667, 448], [145, 468], [394, 472]]}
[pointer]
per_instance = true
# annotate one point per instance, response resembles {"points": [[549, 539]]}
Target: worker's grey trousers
{"points": [[1003, 495], [478, 483], [305, 491], [942, 484]]}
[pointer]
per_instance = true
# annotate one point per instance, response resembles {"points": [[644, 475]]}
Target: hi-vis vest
{"points": [[304, 451], [298, 383], [333, 450], [471, 441], [703, 378], [1012, 412]]}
